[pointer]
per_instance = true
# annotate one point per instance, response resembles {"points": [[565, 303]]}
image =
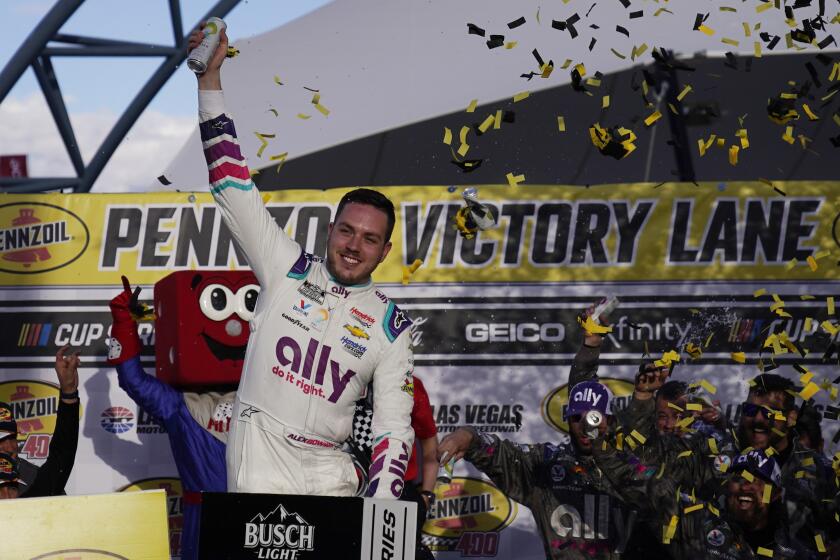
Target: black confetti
{"points": [[590, 8], [475, 30], [540, 60], [516, 23], [634, 15], [801, 4], [780, 191], [530, 75], [731, 61], [495, 41], [593, 26], [809, 66], [561, 25], [509, 116], [699, 19], [625, 3], [827, 41], [592, 43], [622, 30], [835, 141], [163, 180]]}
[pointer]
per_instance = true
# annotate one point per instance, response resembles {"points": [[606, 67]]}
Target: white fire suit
{"points": [[315, 345]]}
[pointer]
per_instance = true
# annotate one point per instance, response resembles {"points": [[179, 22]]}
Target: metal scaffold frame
{"points": [[45, 42]]}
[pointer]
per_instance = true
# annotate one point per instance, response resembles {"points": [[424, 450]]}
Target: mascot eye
{"points": [[216, 302], [246, 302]]}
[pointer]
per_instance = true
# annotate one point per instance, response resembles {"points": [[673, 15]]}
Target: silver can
{"points": [[199, 57], [592, 423], [607, 306]]}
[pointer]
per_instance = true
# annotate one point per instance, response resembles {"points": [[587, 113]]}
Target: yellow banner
{"points": [[106, 526], [746, 230]]}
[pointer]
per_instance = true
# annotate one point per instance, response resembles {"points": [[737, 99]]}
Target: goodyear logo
{"points": [[37, 237], [554, 404], [174, 506], [34, 405], [466, 505]]}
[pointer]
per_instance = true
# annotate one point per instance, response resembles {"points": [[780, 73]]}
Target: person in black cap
{"points": [[749, 521], [51, 478], [560, 484]]}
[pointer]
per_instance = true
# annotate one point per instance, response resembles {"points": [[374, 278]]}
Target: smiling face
{"points": [[356, 243], [758, 421], [745, 501]]}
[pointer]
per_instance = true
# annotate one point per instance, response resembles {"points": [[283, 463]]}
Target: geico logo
{"points": [[515, 332]]}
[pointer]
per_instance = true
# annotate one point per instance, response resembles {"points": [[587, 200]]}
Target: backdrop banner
{"points": [[717, 265]]}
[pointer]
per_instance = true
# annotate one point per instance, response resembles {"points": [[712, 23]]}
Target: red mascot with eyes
{"points": [[202, 326]]}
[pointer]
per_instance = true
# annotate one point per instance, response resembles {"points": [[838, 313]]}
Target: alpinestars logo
{"points": [[279, 535]]}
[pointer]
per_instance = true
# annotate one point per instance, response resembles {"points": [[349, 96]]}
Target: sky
{"points": [[97, 90]]}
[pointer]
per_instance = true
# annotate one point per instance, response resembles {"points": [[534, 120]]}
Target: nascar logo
{"points": [[117, 420]]}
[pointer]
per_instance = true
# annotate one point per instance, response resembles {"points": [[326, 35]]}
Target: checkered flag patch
{"points": [[363, 426]]}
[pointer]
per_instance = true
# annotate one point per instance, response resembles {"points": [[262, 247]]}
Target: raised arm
{"points": [[266, 246]]}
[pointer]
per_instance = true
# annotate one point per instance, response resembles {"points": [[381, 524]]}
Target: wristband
{"points": [[69, 396]]}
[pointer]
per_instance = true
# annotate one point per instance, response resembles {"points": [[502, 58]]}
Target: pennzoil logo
{"points": [[464, 510], [34, 406], [174, 506], [554, 405], [80, 554], [37, 237]]}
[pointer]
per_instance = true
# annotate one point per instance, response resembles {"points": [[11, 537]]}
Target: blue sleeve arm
{"points": [[158, 398]]}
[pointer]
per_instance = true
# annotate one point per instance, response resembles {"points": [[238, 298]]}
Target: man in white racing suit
{"points": [[320, 333]]}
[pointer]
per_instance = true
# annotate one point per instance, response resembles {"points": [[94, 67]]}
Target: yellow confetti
{"points": [[253, 172], [714, 510], [713, 446], [707, 30], [741, 133], [790, 265], [708, 386], [409, 270], [447, 136], [462, 135], [747, 32], [808, 462], [277, 80], [639, 437], [835, 72], [618, 54], [739, 357], [566, 63], [728, 41], [471, 107], [661, 10], [761, 550], [809, 112], [605, 102], [520, 96], [652, 118], [561, 123], [487, 123], [763, 7], [514, 180], [281, 158], [788, 135], [733, 155], [463, 149], [820, 544], [757, 49], [696, 507], [684, 454], [685, 91], [303, 116], [768, 490], [497, 122], [675, 407], [829, 302], [812, 263], [760, 292], [809, 391], [696, 407], [510, 44], [638, 51], [581, 69], [829, 327], [263, 141], [323, 110], [748, 476], [546, 70]]}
